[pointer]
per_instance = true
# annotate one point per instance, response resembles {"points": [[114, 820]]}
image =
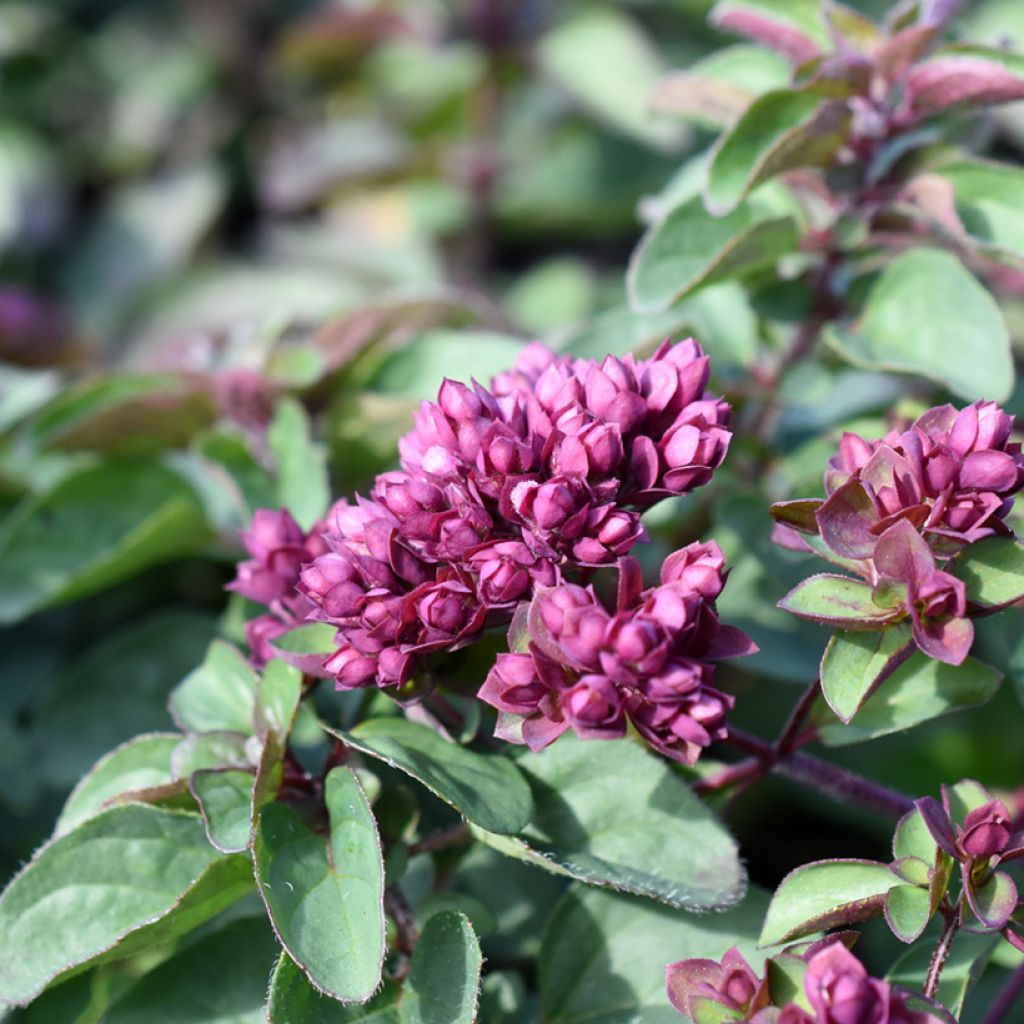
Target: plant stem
{"points": [[454, 835], [999, 1011], [840, 783], [941, 954], [790, 738]]}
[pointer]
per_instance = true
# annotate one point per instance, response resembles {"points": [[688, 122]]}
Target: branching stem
{"points": [[941, 954]]}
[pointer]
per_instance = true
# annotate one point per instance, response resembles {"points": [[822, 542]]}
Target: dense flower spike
{"points": [[649, 662], [506, 489], [837, 990]]}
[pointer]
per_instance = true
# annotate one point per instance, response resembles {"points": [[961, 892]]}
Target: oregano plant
{"points": [[530, 650]]}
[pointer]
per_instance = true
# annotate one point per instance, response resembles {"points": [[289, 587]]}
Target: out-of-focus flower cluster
{"points": [[649, 662], [837, 989], [508, 491], [898, 508]]}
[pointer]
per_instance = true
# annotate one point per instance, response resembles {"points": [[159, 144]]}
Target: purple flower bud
{"points": [[732, 983], [332, 582], [278, 548], [840, 991], [576, 622], [259, 633], [609, 534], [695, 446], [507, 570], [613, 394], [513, 685], [986, 831], [682, 730], [350, 668], [697, 567], [594, 708]]}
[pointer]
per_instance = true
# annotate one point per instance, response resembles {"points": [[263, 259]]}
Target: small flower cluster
{"points": [[981, 843], [837, 989], [505, 495], [505, 489], [898, 508], [649, 662]]}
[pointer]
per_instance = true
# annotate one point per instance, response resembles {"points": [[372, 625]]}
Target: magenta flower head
{"points": [[278, 547], [731, 985]]}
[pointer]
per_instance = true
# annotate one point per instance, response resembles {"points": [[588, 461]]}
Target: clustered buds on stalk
{"points": [[837, 989], [900, 507], [509, 492], [649, 661]]}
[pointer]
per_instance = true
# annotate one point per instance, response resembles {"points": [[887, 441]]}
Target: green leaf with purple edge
{"points": [[912, 838], [277, 698], [855, 664], [780, 131], [837, 601], [293, 999], [993, 901], [325, 894], [964, 76], [798, 514], [224, 796], [845, 521], [908, 910], [791, 27], [919, 690], [218, 695], [992, 570], [826, 894]]}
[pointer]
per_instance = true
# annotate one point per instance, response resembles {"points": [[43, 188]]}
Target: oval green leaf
{"points": [[217, 696], [855, 664], [325, 897], [444, 975], [908, 909], [225, 800], [992, 570], [837, 601], [486, 789], [293, 1000]]}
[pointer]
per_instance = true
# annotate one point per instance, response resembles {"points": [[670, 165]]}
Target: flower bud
{"points": [[697, 567], [594, 708]]}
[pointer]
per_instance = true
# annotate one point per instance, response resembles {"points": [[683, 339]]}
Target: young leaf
{"points": [[293, 1000], [922, 315], [138, 764], [799, 514], [444, 975], [919, 690], [302, 485], [791, 27], [837, 601], [127, 868], [992, 570], [225, 799], [690, 248], [912, 838], [325, 897], [780, 131], [603, 956], [856, 664], [823, 895], [220, 978], [278, 693], [486, 789], [966, 76], [647, 834], [908, 910], [218, 695]]}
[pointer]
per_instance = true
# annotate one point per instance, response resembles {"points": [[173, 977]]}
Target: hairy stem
{"points": [[454, 835], [999, 1011], [792, 735], [941, 954], [838, 783]]}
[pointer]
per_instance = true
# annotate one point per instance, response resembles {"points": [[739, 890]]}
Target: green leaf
{"points": [[218, 979], [604, 954], [96, 527], [293, 1000], [779, 131], [919, 690], [802, 16], [922, 316], [837, 601], [577, 55], [648, 833], [908, 909], [914, 839], [992, 570], [128, 868], [225, 800], [218, 695], [967, 959], [325, 897], [312, 638], [989, 201], [856, 664], [444, 975], [302, 485], [822, 895], [486, 789], [690, 248], [277, 698], [138, 764]]}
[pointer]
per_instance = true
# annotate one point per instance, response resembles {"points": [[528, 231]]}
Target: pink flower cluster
{"points": [[837, 990], [505, 489], [952, 474], [590, 670]]}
